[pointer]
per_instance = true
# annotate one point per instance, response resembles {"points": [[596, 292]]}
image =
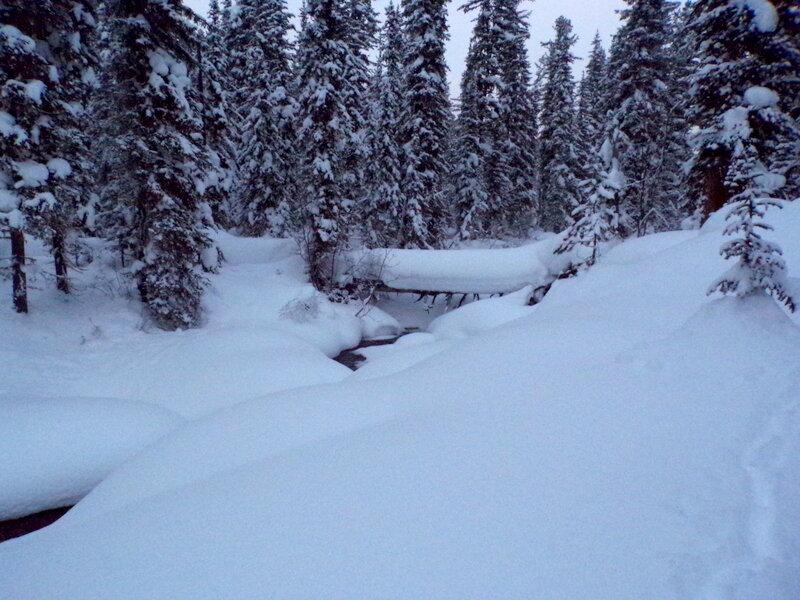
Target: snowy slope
{"points": [[55, 450], [628, 439], [266, 331], [92, 345]]}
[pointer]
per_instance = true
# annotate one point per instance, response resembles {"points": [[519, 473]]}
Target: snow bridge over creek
{"points": [[465, 272]]}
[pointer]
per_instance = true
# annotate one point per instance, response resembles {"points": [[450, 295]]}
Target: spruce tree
{"points": [[754, 189], [361, 31], [518, 212], [384, 166], [260, 81], [735, 49], [592, 98], [740, 121], [596, 220], [559, 151], [154, 158], [46, 72], [217, 127], [495, 167], [646, 131], [480, 173], [425, 122], [324, 133]]}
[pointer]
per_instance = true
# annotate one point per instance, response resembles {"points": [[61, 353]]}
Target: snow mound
{"points": [[629, 438], [55, 450], [475, 271], [482, 315]]}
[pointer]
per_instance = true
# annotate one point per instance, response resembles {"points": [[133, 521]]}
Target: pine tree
{"points": [[383, 204], [645, 128], [260, 80], [786, 82], [596, 220], [481, 173], [740, 122], [361, 31], [735, 49], [495, 167], [46, 71], [425, 121], [217, 127], [559, 152], [324, 131], [519, 116], [154, 159], [592, 98], [753, 191]]}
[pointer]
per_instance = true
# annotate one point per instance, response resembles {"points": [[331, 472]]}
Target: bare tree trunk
{"points": [[18, 270], [716, 193], [60, 260]]}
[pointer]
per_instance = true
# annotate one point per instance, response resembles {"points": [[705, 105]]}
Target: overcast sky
{"points": [[588, 16]]}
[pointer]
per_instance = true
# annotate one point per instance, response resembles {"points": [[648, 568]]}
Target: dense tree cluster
{"points": [[138, 122]]}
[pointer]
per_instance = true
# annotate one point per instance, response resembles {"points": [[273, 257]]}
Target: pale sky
{"points": [[587, 16]]}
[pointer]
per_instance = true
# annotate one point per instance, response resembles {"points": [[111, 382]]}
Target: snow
{"points": [[765, 13], [31, 173], [57, 449], [59, 167], [625, 438], [761, 97], [479, 271], [92, 346]]}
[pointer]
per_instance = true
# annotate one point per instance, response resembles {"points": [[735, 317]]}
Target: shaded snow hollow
{"points": [[626, 438]]}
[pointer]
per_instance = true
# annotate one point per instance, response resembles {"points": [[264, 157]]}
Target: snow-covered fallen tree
{"points": [[470, 271]]}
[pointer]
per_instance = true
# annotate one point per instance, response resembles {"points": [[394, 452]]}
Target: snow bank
{"points": [[482, 315], [629, 438], [55, 450], [266, 330], [478, 271]]}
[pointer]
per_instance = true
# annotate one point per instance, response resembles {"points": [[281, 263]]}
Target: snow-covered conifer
{"points": [[647, 132], [154, 157], [260, 79], [596, 220], [517, 213], [740, 122], [425, 122], [754, 190], [496, 129], [480, 173], [592, 98], [560, 167], [735, 48], [384, 166], [323, 58], [46, 71]]}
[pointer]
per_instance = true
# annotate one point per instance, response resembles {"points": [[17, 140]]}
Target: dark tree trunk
{"points": [[60, 260], [716, 192], [19, 280]]}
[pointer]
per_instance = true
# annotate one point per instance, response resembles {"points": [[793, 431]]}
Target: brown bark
{"points": [[716, 192], [20, 285], [60, 260]]}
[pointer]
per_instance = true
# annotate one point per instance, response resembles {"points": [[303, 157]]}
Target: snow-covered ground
{"points": [[626, 438]]}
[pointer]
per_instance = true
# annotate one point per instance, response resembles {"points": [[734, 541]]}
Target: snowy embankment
{"points": [[466, 271], [627, 438], [56, 450], [266, 331]]}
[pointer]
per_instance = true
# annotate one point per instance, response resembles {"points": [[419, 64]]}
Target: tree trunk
{"points": [[60, 260], [19, 280], [716, 193]]}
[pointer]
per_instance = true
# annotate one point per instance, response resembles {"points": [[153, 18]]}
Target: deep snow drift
{"points": [[626, 438]]}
